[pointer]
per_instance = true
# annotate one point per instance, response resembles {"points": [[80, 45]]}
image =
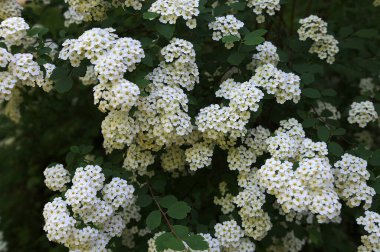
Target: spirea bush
{"points": [[189, 125]]}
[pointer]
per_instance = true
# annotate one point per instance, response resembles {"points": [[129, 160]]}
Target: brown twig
{"points": [[163, 213]]}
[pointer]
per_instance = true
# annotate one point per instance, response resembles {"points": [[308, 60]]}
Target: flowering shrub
{"points": [[189, 125]]}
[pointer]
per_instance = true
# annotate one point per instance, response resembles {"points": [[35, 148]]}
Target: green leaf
{"points": [[153, 220], [375, 159], [196, 242], [323, 133], [179, 210], [254, 38], [236, 58], [168, 241], [143, 200], [339, 132], [230, 38], [238, 6], [329, 92], [59, 73], [165, 30], [307, 78], [167, 201], [258, 33], [311, 93], [335, 149], [309, 122], [150, 15], [367, 33], [39, 30], [181, 231], [64, 85]]}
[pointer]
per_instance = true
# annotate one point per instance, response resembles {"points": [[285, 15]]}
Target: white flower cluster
{"points": [[135, 4], [225, 201], [225, 26], [228, 233], [12, 108], [371, 223], [10, 8], [376, 3], [362, 113], [20, 68], [95, 219], [56, 178], [261, 6], [365, 138], [324, 45], [162, 115], [173, 160], [199, 155], [72, 17], [118, 130], [137, 160], [245, 245], [284, 86], [255, 221], [367, 86], [351, 177], [170, 10], [90, 9], [13, 29], [308, 188], [331, 109], [266, 54]]}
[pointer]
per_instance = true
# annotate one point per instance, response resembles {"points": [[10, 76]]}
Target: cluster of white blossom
{"points": [[225, 201], [351, 177], [228, 233], [261, 6], [72, 17], [56, 178], [135, 4], [299, 173], [371, 223], [225, 26], [98, 210], [90, 9], [255, 221], [333, 112], [266, 54], [199, 155], [10, 8], [173, 160], [13, 29], [367, 86], [376, 3], [20, 69], [365, 138], [170, 10], [118, 130], [137, 160], [244, 245], [284, 86], [324, 45], [362, 113]]}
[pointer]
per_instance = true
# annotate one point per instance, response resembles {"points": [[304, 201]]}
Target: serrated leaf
{"points": [[150, 15], [323, 133], [168, 241], [253, 39], [335, 149], [181, 231], [236, 58], [309, 122], [167, 201], [179, 210], [311, 93], [230, 38], [153, 220], [143, 200], [64, 85], [375, 159], [367, 33], [165, 30], [196, 242]]}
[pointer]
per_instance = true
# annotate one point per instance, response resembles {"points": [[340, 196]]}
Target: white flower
{"points": [[56, 177], [225, 26], [362, 113]]}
